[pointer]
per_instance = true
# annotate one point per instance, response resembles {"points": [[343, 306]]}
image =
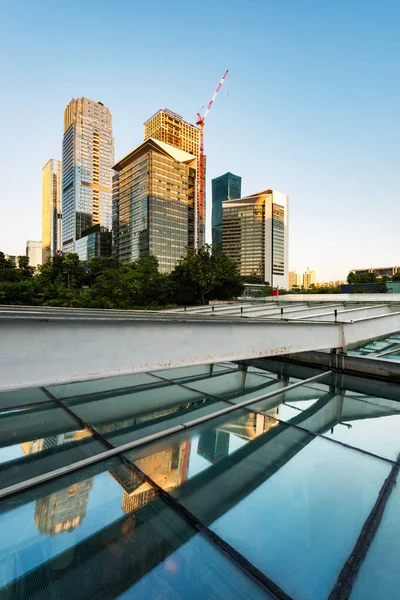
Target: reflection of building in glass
{"points": [[153, 204], [65, 509], [255, 232], [166, 126], [87, 158], [213, 445], [253, 424], [225, 187], [167, 468], [51, 209]]}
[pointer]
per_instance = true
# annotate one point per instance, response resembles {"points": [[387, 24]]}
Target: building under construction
{"points": [[169, 127]]}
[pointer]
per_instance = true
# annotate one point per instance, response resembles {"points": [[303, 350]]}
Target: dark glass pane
{"points": [[104, 533], [38, 439], [135, 414], [22, 397]]}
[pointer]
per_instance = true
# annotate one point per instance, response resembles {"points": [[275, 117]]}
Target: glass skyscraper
{"points": [[87, 159], [225, 187], [167, 126], [255, 233], [51, 208], [154, 204]]}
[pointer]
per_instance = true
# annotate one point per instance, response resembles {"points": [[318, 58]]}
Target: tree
{"points": [[352, 277], [203, 275], [396, 276], [24, 269]]}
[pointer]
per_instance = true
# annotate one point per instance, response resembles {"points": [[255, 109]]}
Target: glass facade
{"points": [[225, 187], [290, 493], [278, 239], [153, 205], [255, 235], [88, 156], [169, 127], [243, 234], [51, 208], [96, 244]]}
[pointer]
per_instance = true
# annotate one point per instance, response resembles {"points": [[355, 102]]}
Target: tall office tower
{"points": [[309, 278], [34, 253], [294, 279], [225, 187], [255, 233], [166, 126], [87, 159], [153, 204], [51, 208]]}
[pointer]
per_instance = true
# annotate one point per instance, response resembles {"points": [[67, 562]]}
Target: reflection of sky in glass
{"points": [[300, 525], [379, 576], [196, 570], [379, 436]]}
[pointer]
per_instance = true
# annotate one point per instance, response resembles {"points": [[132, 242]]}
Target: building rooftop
{"points": [[255, 478], [172, 114], [264, 479], [175, 153]]}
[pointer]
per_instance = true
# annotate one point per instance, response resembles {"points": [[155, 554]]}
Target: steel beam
{"points": [[42, 348]]}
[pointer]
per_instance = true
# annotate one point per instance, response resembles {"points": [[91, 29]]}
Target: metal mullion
{"points": [[322, 435], [130, 445], [351, 568], [243, 563]]}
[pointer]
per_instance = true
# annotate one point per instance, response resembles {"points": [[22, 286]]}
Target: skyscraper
{"points": [[255, 233], [34, 253], [153, 204], [87, 159], [51, 208], [294, 279], [166, 126], [225, 187], [309, 278]]}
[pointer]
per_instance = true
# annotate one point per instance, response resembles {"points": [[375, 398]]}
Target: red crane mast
{"points": [[201, 122]]}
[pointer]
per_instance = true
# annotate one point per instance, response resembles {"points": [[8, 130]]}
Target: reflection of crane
{"points": [[201, 121]]}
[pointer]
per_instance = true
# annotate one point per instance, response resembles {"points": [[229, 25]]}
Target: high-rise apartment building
{"points": [[294, 279], [154, 204], [225, 187], [87, 159], [34, 253], [309, 278], [51, 208], [255, 233], [166, 126]]}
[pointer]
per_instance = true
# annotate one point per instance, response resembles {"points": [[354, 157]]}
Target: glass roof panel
{"points": [[38, 439], [142, 412], [179, 457], [293, 507], [379, 575], [22, 397], [104, 533]]}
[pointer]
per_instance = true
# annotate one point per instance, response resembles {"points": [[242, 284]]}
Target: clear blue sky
{"points": [[310, 106]]}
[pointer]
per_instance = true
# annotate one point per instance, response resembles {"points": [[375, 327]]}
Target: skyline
{"points": [[326, 136]]}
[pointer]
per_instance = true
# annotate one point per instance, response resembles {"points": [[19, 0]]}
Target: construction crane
{"points": [[201, 122]]}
